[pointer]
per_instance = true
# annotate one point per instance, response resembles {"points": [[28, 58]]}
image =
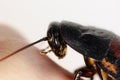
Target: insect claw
{"points": [[45, 52], [44, 49], [77, 75]]}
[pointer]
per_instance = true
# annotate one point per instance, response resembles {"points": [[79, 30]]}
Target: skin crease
{"points": [[27, 64]]}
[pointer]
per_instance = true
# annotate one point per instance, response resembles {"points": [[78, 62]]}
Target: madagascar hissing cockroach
{"points": [[100, 48]]}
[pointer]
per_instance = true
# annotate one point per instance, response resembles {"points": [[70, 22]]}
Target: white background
{"points": [[32, 17]]}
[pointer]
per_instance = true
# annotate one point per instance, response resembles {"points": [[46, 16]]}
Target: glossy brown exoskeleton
{"points": [[100, 48]]}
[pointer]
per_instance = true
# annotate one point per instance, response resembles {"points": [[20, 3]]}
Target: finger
{"points": [[10, 40]]}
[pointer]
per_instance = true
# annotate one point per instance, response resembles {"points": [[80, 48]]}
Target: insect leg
{"points": [[88, 71], [77, 76], [90, 64], [105, 76], [45, 52], [84, 72], [99, 72], [44, 49]]}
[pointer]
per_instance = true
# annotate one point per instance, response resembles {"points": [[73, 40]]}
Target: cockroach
{"points": [[100, 48]]}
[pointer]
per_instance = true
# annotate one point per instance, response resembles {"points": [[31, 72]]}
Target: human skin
{"points": [[27, 64]]}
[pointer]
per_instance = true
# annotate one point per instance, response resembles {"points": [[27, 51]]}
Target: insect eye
{"points": [[49, 35]]}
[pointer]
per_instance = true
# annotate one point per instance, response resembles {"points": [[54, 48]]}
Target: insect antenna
{"points": [[21, 49]]}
